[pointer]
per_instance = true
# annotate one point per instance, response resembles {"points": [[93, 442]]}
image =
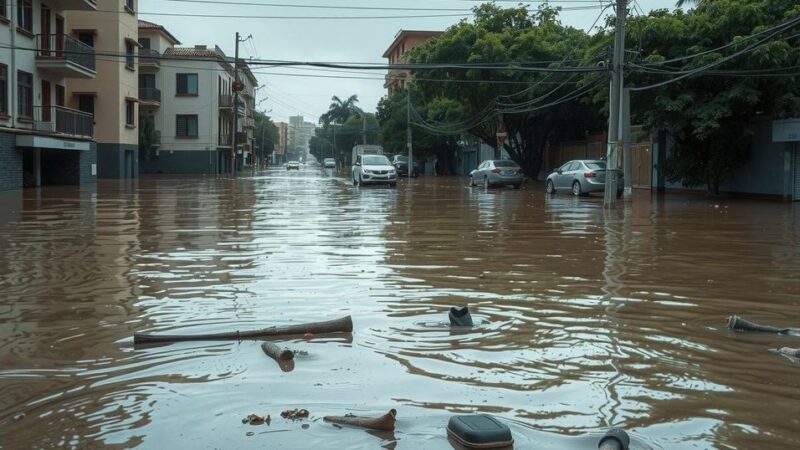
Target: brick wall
{"points": [[10, 163]]}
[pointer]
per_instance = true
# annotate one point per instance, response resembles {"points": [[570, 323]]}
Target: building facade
{"points": [[111, 96], [397, 53], [300, 133], [44, 139], [279, 153]]}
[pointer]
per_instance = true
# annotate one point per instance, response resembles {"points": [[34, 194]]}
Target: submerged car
{"points": [[329, 163], [497, 172], [400, 163], [374, 169], [581, 177], [293, 165]]}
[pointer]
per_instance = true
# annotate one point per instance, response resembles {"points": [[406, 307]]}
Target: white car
{"points": [[374, 169], [293, 165], [329, 163]]}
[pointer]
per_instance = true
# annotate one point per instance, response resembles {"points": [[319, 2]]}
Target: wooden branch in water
{"points": [[342, 325], [383, 423], [793, 352], [277, 353], [739, 324]]}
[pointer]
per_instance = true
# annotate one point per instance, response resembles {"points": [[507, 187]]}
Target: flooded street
{"points": [[588, 318]]}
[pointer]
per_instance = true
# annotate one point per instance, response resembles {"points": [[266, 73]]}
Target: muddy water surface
{"points": [[589, 319]]}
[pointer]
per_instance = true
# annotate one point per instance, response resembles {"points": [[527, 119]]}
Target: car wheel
{"points": [[486, 182], [576, 188], [471, 181], [551, 189]]}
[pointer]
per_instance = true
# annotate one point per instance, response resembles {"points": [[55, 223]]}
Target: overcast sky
{"points": [[321, 38]]}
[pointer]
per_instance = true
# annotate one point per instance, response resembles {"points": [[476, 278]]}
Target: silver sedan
{"points": [[581, 177], [497, 172]]}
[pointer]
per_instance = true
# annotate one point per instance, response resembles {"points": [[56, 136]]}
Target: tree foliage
{"points": [[339, 110], [709, 115], [265, 134]]}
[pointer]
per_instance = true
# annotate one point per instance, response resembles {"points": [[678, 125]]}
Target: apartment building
{"points": [[112, 96], [300, 133], [43, 138], [397, 53], [187, 97]]}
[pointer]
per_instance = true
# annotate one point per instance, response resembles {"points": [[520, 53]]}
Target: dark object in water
{"points": [[345, 324], [460, 317], [479, 431], [793, 352], [295, 413], [383, 423], [614, 439], [738, 324], [277, 353]]}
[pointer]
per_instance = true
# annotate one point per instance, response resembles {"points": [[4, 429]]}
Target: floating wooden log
{"points": [[277, 353], [793, 352], [737, 323], [342, 325], [383, 423]]}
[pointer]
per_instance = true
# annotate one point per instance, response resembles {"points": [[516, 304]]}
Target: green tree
{"points": [[339, 110], [536, 109], [148, 137], [710, 114], [265, 134]]}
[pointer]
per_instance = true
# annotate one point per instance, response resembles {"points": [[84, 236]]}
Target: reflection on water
{"points": [[588, 318]]}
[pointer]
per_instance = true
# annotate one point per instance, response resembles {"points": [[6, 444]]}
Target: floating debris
{"points": [[295, 414], [255, 419]]}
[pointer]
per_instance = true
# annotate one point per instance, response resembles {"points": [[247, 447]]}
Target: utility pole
{"points": [[235, 106], [614, 142], [364, 126], [335, 150], [409, 134]]}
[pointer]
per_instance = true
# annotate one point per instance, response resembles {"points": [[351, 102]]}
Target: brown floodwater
{"points": [[588, 318]]}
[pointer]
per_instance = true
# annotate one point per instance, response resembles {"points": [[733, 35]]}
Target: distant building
{"points": [[278, 155], [187, 95], [112, 95], [44, 138], [397, 53], [300, 133]]}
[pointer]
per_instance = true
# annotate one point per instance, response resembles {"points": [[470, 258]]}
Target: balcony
{"points": [[249, 122], [59, 119], [149, 97], [149, 58], [74, 5], [224, 140], [226, 103], [63, 56]]}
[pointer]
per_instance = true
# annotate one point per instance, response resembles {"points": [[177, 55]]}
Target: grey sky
{"points": [[321, 40]]}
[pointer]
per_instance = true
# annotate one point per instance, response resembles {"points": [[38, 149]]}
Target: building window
{"points": [[25, 15], [3, 9], [129, 6], [25, 94], [130, 113], [186, 126], [87, 37], [130, 57], [144, 42], [86, 103], [186, 84], [3, 88]]}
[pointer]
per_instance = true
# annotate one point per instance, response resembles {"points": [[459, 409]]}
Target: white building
{"points": [[44, 139], [188, 93], [300, 133]]}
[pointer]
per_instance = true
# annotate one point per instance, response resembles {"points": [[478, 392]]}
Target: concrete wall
{"points": [[10, 163], [182, 162], [111, 160]]}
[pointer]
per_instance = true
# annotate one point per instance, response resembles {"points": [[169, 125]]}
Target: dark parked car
{"points": [[581, 177], [400, 162]]}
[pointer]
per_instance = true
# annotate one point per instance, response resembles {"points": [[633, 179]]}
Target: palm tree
{"points": [[681, 3], [339, 111]]}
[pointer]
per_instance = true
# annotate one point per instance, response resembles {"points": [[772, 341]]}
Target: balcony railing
{"points": [[226, 101], [64, 120], [224, 140], [148, 56], [150, 95], [65, 48], [249, 122]]}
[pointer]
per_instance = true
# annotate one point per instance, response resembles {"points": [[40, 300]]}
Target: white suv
{"points": [[374, 169], [329, 163]]}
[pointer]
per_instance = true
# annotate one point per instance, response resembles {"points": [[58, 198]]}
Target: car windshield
{"points": [[328, 159], [595, 165], [375, 160], [504, 163], [401, 158]]}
